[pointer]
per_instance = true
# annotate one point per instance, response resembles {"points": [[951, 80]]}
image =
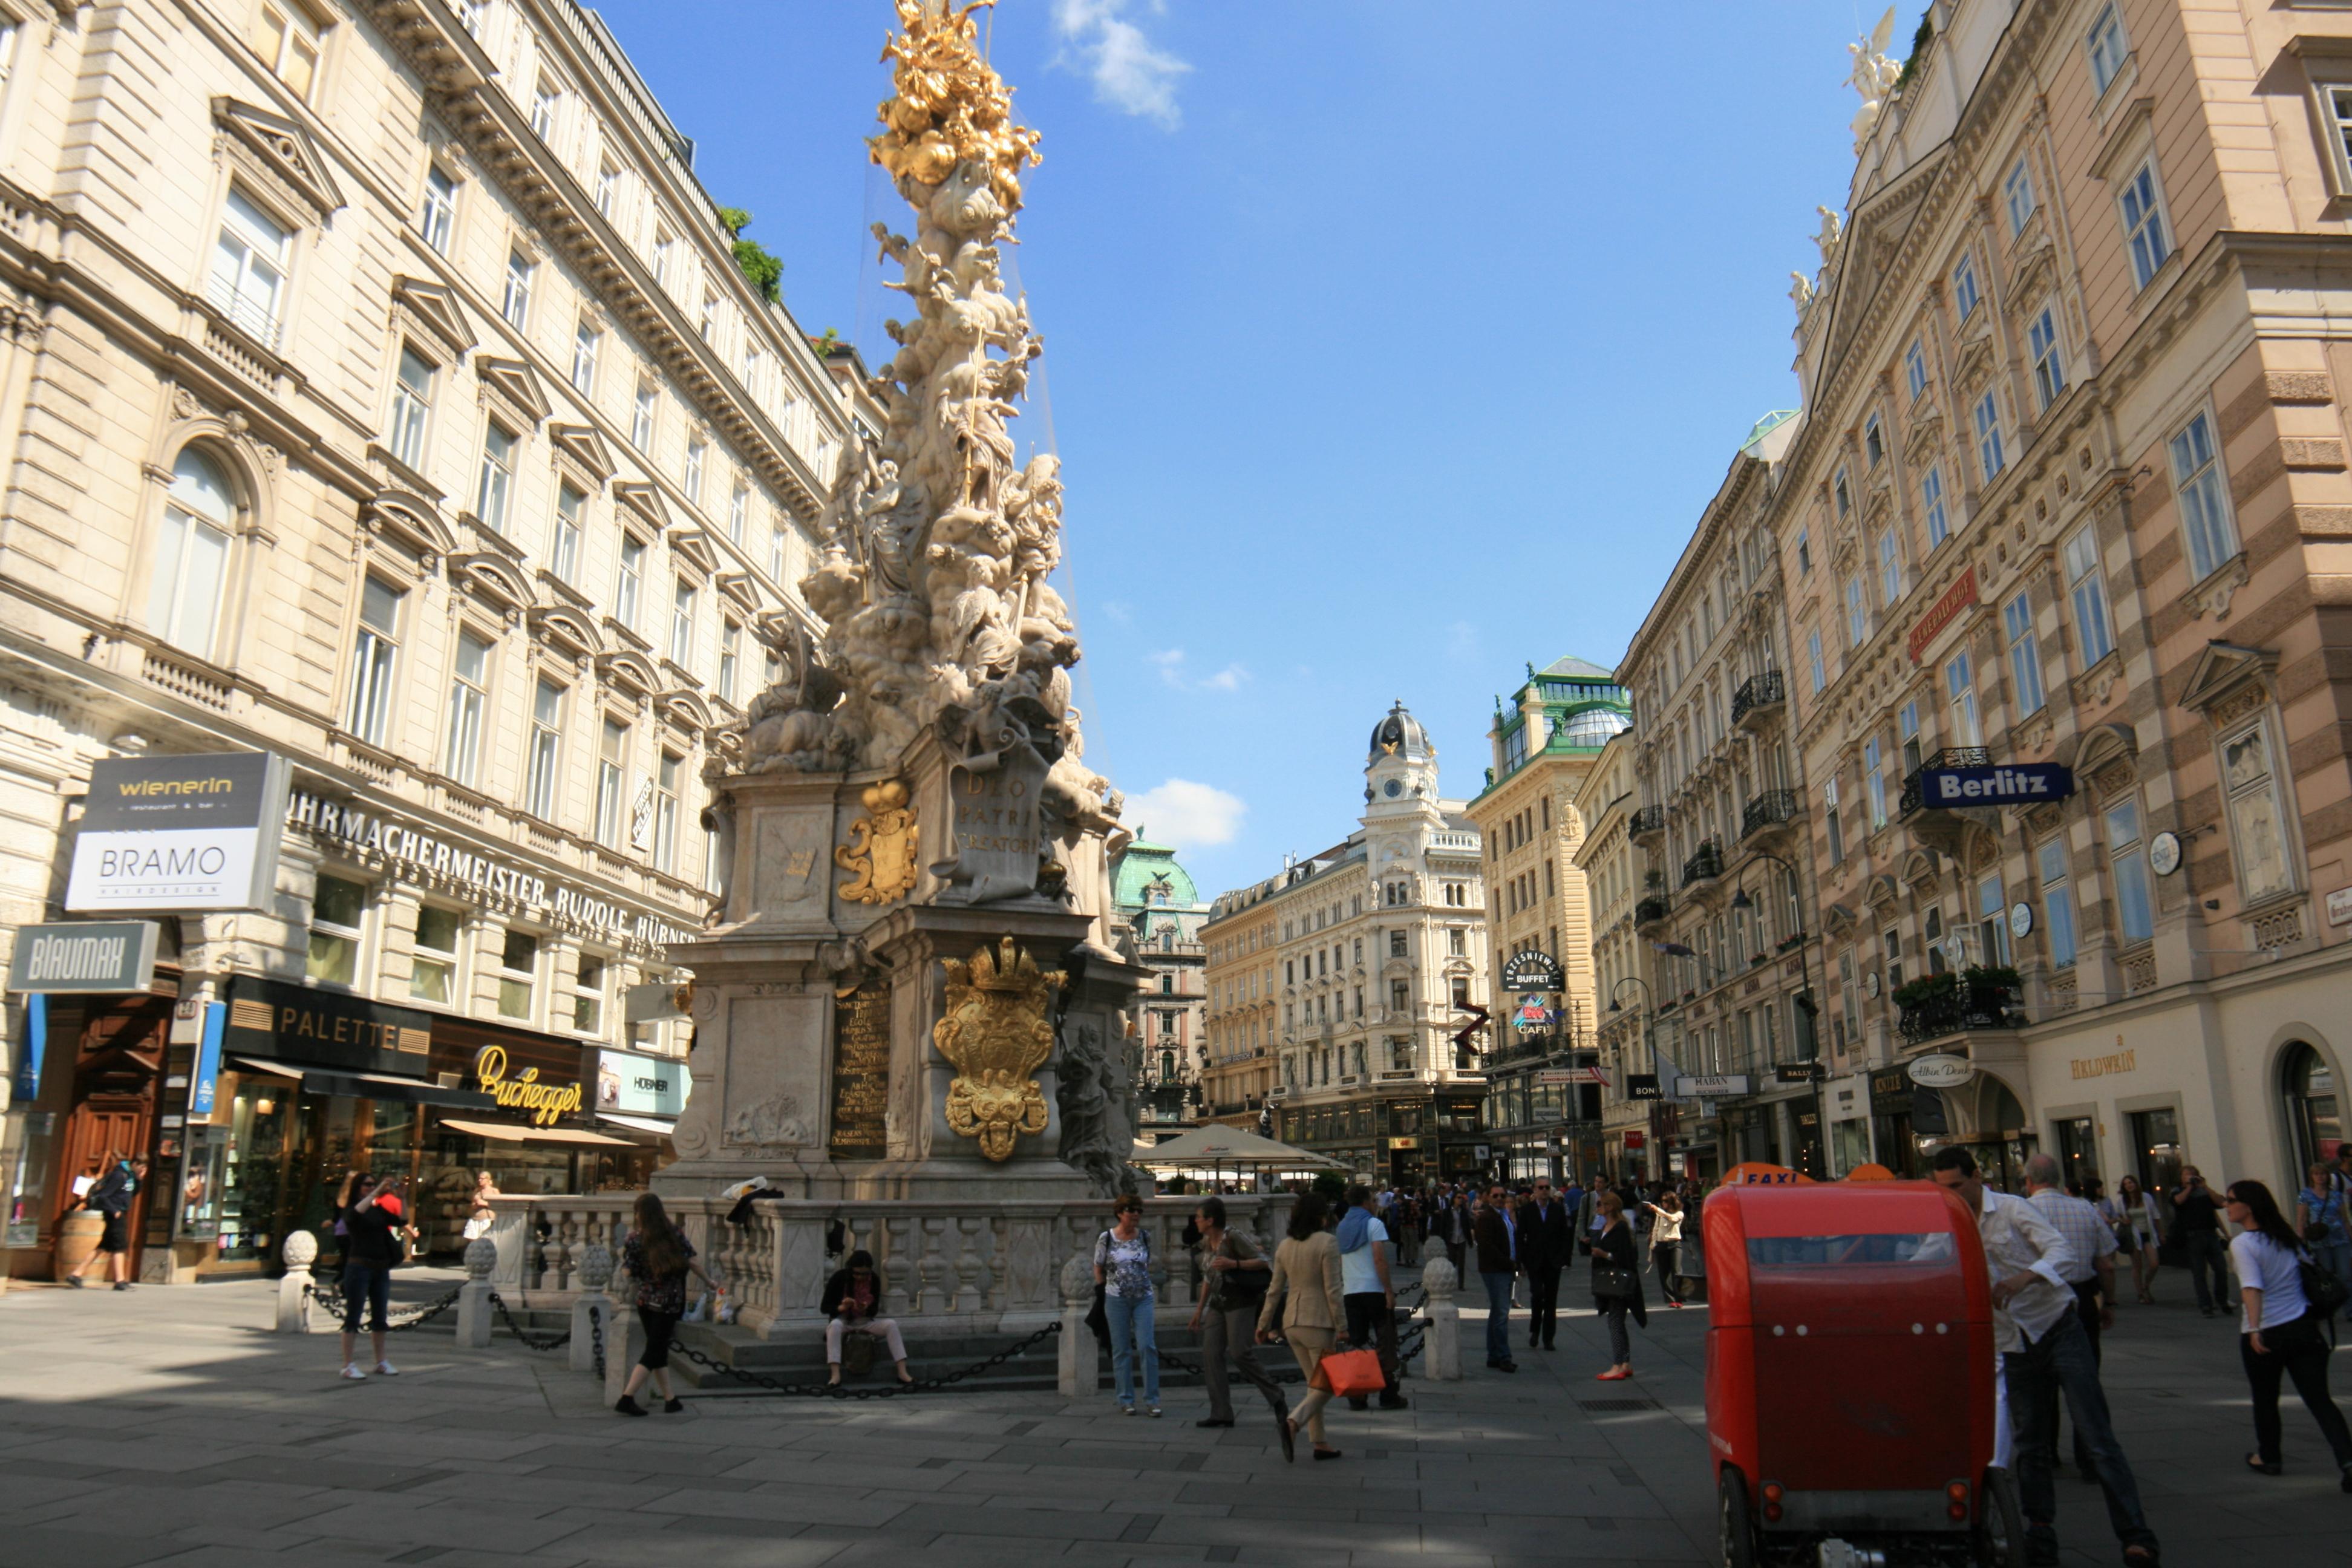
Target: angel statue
{"points": [[1832, 232], [1800, 293], [1873, 76]]}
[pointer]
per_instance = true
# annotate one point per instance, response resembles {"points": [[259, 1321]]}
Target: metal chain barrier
{"points": [[887, 1391], [332, 1301], [535, 1342], [596, 1337]]}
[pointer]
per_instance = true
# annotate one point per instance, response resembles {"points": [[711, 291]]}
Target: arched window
{"points": [[2313, 1111], [192, 555]]}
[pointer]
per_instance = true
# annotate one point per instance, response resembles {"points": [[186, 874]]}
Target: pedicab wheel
{"points": [[1739, 1545], [2000, 1522]]}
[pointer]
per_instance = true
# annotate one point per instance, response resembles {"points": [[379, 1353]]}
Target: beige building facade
{"points": [[382, 391], [1606, 800], [2070, 499]]}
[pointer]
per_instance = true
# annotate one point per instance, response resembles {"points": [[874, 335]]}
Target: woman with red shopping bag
{"points": [[1303, 1303]]}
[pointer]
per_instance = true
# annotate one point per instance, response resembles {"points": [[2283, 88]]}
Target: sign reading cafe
{"points": [[430, 857]]}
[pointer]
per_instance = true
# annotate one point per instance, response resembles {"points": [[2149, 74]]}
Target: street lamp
{"points": [[1805, 1002]]}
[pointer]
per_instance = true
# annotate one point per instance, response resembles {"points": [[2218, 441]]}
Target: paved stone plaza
{"points": [[164, 1426]]}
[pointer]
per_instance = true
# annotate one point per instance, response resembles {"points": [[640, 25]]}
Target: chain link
{"points": [[887, 1391], [335, 1306], [596, 1336], [530, 1341]]}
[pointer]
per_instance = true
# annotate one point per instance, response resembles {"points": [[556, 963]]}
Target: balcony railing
{"points": [[1705, 864], [1651, 911], [1647, 822], [1758, 697], [1770, 809], [1941, 1005], [1912, 799]]}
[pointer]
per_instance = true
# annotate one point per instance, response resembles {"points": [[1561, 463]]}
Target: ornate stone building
{"points": [[1545, 740], [382, 392], [1350, 970], [1606, 799], [1162, 913]]}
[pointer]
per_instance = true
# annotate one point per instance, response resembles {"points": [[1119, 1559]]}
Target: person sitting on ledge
{"points": [[851, 1298]]}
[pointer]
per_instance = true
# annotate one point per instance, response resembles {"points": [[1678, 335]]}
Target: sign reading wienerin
{"points": [[179, 833]]}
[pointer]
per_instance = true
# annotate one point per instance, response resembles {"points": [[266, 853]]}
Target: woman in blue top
{"points": [[1123, 1269], [2319, 1215], [2279, 1334]]}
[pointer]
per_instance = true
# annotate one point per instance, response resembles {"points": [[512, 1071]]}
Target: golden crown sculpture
{"points": [[951, 107], [997, 1033]]}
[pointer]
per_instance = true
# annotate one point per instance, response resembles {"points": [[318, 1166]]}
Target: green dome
{"points": [[1148, 877]]}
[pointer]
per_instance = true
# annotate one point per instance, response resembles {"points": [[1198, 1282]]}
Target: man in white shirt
{"points": [[1367, 1291], [2045, 1353], [2090, 1276]]}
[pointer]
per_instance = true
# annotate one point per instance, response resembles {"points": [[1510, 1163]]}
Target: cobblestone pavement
{"points": [[165, 1426]]}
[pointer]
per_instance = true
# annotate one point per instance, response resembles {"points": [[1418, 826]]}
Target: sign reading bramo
{"points": [[428, 855], [178, 832]]}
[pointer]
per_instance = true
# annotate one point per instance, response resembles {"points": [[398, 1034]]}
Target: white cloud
{"points": [[1117, 610], [1128, 72], [1170, 663], [1186, 815]]}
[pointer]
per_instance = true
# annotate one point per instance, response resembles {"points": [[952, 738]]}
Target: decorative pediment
{"points": [[2221, 673], [626, 671], [742, 589], [619, 634], [494, 579], [511, 382], [2032, 272], [412, 520], [1881, 891], [1875, 232], [643, 500], [1973, 362], [685, 709], [565, 629], [1926, 436], [693, 546], [554, 591], [582, 444], [1919, 871], [1838, 920], [433, 311], [277, 153]]}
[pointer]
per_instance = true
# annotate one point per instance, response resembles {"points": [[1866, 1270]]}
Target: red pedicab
{"points": [[1850, 1368]]}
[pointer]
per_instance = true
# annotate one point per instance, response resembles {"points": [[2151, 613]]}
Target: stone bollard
{"points": [[624, 1343], [1441, 1338], [474, 1307], [1081, 1366], [592, 1312], [301, 1250]]}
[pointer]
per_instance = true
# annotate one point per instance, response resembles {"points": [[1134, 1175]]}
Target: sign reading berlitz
{"points": [[179, 833]]}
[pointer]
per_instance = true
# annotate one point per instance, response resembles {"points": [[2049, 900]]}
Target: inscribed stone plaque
{"points": [[861, 1072], [996, 831]]}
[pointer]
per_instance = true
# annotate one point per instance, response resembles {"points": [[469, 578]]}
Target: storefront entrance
{"points": [[2314, 1118]]}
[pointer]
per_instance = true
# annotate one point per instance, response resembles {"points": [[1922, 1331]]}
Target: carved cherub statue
{"points": [[1800, 292]]}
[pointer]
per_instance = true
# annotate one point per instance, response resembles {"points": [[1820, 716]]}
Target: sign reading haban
{"points": [[1943, 612]]}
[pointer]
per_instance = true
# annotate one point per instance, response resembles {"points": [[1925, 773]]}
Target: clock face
{"points": [[1394, 789], [1869, 985], [2021, 920], [2164, 854]]}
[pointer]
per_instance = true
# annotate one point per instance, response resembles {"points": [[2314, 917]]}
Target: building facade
{"points": [[1632, 1128], [1160, 909], [1545, 742], [431, 438], [1352, 971]]}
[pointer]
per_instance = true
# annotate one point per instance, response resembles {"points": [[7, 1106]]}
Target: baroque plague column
{"points": [[911, 989]]}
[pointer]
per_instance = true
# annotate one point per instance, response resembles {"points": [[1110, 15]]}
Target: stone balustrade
{"points": [[976, 1266]]}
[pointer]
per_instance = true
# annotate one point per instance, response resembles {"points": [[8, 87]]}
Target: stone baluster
{"points": [[301, 1250], [1080, 1356], [967, 1262], [1442, 1336], [1000, 1274], [934, 1265], [896, 1259]]}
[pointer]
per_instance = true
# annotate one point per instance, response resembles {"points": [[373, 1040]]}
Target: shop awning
{"points": [[657, 1125], [372, 1086], [511, 1133]]}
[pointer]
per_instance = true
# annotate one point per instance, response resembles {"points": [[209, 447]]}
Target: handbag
{"points": [[1612, 1282], [2326, 1293], [1098, 1316], [1350, 1374]]}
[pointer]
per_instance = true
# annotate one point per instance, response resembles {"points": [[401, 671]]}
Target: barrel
{"points": [[78, 1234]]}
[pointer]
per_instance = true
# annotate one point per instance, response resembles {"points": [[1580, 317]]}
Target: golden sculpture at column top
{"points": [[950, 106], [997, 1032], [883, 856]]}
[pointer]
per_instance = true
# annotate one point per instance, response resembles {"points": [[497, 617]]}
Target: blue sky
{"points": [[1390, 346]]}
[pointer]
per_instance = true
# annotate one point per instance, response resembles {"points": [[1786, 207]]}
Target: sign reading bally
{"points": [[179, 833], [2011, 784]]}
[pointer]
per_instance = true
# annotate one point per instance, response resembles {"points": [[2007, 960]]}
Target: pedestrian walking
{"points": [[1545, 1240], [1457, 1233], [2197, 1231], [1305, 1303], [2132, 1212], [852, 1303], [1237, 1274], [2278, 1328], [1123, 1269], [2038, 1329], [110, 1197], [2321, 1220], [1368, 1292], [658, 1257], [1667, 1243], [372, 1235], [1497, 1268], [1616, 1281], [2090, 1269]]}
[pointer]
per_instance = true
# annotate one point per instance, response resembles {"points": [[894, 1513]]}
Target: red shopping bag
{"points": [[1348, 1373]]}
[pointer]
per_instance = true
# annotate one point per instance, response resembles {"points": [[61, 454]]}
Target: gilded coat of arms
{"points": [[882, 854], [996, 1031]]}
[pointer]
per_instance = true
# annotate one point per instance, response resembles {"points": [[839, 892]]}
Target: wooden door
{"points": [[118, 1077]]}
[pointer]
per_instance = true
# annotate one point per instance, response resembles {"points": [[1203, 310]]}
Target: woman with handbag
{"points": [[1237, 1274], [2285, 1295], [1124, 1291], [2319, 1215], [1303, 1301], [658, 1257], [1616, 1286], [2132, 1212]]}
